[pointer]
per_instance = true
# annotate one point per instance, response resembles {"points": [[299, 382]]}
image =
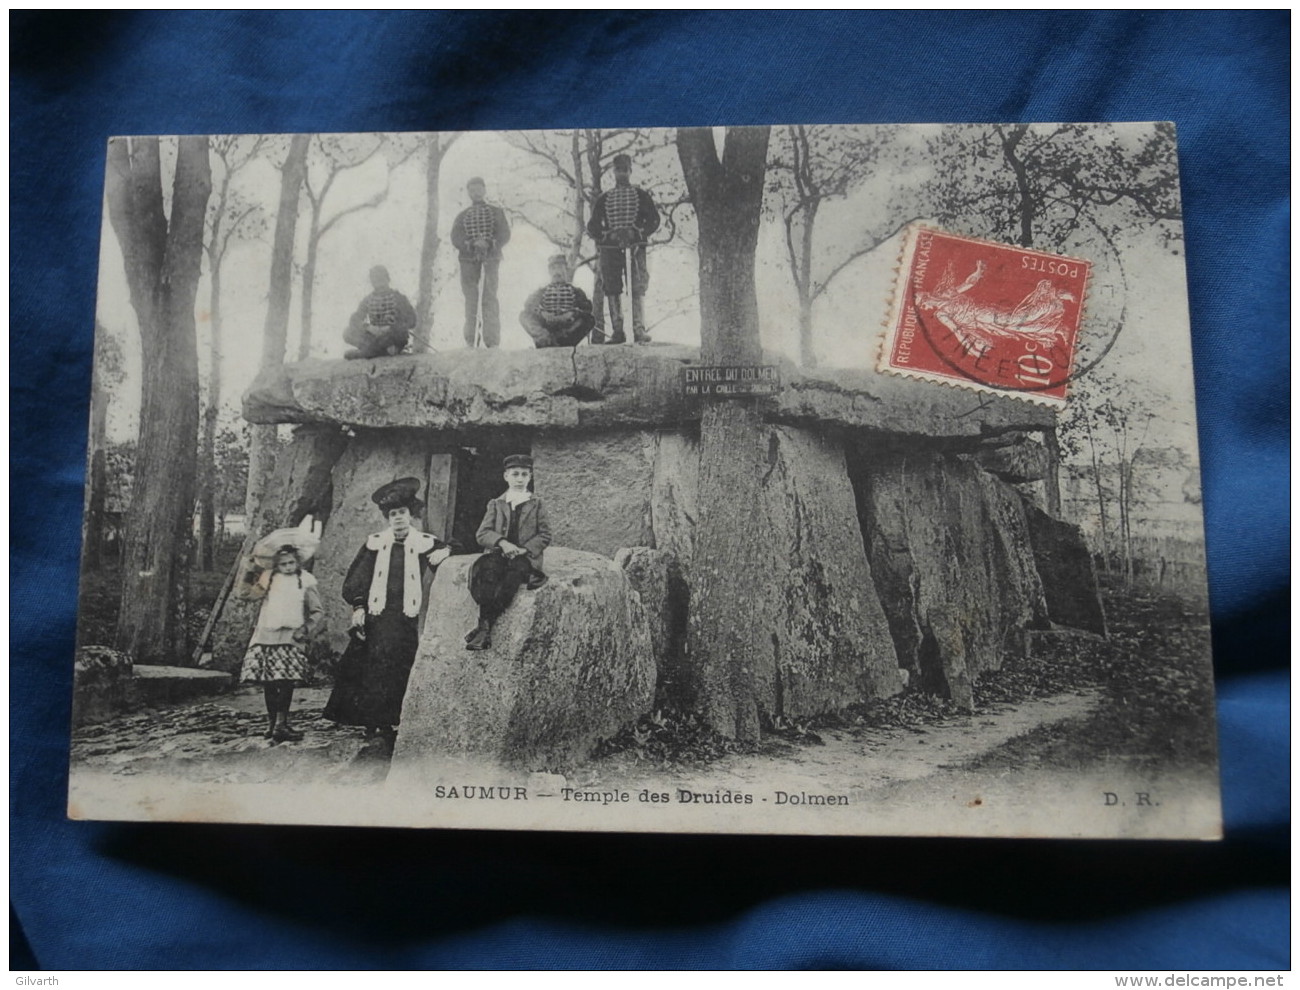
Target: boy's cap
{"points": [[556, 260], [623, 161], [398, 494], [517, 461]]}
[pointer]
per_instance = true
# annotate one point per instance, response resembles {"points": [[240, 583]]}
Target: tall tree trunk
{"points": [[727, 625], [162, 266], [807, 355], [579, 199], [1125, 512], [208, 450], [1026, 208], [98, 497], [1101, 495], [261, 454], [423, 336], [308, 287], [595, 145]]}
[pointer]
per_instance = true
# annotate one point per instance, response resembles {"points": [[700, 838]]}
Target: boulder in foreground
{"points": [[570, 665]]}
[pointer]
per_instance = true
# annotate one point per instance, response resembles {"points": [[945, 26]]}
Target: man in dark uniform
{"points": [[559, 313], [382, 323], [622, 219], [478, 234]]}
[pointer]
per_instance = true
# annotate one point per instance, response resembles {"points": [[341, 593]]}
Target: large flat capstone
{"points": [[472, 391]]}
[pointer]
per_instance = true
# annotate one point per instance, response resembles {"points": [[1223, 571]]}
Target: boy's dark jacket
{"points": [[534, 529]]}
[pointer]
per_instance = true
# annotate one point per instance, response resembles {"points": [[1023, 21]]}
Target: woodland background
{"points": [[1222, 78], [290, 226]]}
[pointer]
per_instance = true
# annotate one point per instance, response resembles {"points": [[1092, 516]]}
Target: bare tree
{"points": [[231, 216], [1113, 435], [1053, 186], [1044, 185], [812, 166], [435, 149], [162, 257], [727, 627], [261, 456], [578, 160]]}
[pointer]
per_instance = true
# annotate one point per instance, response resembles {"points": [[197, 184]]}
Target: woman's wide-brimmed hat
{"points": [[303, 542], [398, 494]]}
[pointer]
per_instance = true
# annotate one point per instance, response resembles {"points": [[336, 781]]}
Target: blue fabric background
{"points": [[101, 896]]}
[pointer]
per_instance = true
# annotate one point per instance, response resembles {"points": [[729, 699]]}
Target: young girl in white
{"points": [[291, 615]]}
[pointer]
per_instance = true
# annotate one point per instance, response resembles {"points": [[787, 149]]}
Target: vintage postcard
{"points": [[796, 479]]}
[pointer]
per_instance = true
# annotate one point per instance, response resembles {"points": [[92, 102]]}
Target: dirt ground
{"points": [[1085, 737], [219, 740]]}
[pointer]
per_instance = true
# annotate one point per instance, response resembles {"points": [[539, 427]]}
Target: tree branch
{"points": [[369, 204], [819, 287]]}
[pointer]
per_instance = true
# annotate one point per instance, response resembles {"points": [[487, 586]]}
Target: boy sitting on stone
{"points": [[514, 534], [558, 314]]}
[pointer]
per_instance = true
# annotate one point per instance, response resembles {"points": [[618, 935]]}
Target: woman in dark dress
{"points": [[385, 587]]}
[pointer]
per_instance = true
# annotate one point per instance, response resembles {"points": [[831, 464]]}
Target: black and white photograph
{"points": [[803, 478]]}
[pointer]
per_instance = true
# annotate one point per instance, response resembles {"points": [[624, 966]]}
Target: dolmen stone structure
{"points": [[909, 543]]}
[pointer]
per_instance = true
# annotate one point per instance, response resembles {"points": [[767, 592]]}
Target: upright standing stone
{"points": [[596, 488], [656, 576], [674, 494], [1069, 576], [949, 545], [831, 642], [440, 497], [101, 684]]}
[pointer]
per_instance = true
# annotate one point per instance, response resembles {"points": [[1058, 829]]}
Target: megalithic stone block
{"points": [[1068, 573], [830, 637], [951, 553], [597, 488], [570, 665], [656, 575], [480, 391], [674, 494]]}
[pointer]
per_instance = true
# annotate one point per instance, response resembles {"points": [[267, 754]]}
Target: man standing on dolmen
{"points": [[622, 220], [478, 234]]}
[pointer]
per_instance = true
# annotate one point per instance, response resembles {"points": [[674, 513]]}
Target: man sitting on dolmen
{"points": [[558, 314], [383, 322]]}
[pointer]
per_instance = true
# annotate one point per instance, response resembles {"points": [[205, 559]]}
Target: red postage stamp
{"points": [[987, 316]]}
